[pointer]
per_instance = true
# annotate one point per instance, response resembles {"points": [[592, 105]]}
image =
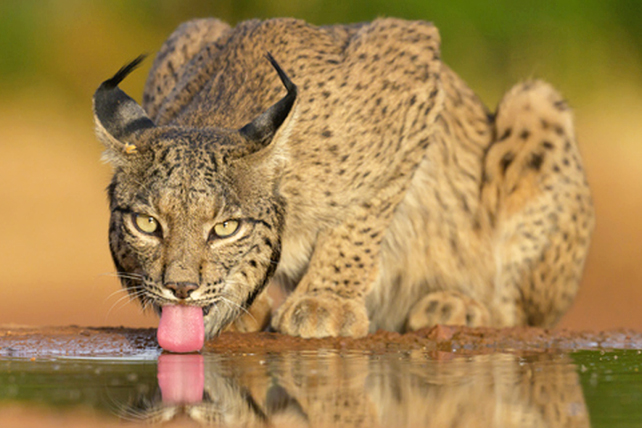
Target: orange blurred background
{"points": [[55, 267]]}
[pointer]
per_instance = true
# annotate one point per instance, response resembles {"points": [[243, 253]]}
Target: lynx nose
{"points": [[182, 290]]}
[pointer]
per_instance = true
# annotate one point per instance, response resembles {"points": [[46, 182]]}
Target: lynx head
{"points": [[195, 212]]}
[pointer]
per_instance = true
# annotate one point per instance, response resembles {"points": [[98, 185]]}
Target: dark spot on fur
{"points": [[470, 317], [432, 307], [536, 161], [446, 312], [506, 134], [507, 159]]}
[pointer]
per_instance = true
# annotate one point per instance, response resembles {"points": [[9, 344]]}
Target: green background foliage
{"points": [[68, 45]]}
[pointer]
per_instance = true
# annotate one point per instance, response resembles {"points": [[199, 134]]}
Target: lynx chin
{"points": [[347, 164]]}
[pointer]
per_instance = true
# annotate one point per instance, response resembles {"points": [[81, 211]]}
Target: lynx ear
{"points": [[262, 129], [118, 117]]}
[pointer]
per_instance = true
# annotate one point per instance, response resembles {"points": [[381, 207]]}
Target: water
{"points": [[334, 388], [612, 386]]}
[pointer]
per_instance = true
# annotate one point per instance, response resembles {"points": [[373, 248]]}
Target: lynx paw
{"points": [[449, 308], [324, 315]]}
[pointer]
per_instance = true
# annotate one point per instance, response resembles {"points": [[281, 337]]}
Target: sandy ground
{"points": [[55, 267]]}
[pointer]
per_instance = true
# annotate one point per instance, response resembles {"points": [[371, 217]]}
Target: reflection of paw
{"points": [[321, 316], [256, 318], [450, 308]]}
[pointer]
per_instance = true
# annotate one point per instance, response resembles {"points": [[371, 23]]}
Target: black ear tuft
{"points": [[122, 73], [118, 117], [262, 129], [291, 87]]}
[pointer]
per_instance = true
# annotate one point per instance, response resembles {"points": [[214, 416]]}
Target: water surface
{"points": [[342, 388]]}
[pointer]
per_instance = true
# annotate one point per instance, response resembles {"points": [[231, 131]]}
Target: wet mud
{"points": [[21, 341]]}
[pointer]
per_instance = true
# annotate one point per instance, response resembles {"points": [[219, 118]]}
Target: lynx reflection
{"points": [[355, 389]]}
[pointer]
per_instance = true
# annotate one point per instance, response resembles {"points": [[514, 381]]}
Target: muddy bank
{"points": [[27, 342]]}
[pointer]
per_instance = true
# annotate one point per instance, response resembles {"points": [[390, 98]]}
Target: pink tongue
{"points": [[181, 329]]}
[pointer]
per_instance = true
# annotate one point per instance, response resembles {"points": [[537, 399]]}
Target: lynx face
{"points": [[195, 214]]}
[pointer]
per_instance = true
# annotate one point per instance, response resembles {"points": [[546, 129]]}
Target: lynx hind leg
{"points": [[449, 308], [539, 207], [181, 46]]}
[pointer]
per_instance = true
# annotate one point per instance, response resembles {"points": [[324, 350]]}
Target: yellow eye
{"points": [[226, 229], [146, 224]]}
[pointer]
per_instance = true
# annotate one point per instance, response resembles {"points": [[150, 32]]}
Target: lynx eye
{"points": [[226, 228], [146, 224]]}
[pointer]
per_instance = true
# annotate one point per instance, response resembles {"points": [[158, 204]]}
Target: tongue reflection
{"points": [[181, 329], [181, 378]]}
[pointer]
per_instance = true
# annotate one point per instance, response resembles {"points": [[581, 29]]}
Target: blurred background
{"points": [[55, 267]]}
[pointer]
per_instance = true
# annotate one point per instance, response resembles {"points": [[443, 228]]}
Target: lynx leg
{"points": [[330, 298], [538, 206], [447, 307]]}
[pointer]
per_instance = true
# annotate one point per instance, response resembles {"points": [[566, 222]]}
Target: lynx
{"points": [[348, 165]]}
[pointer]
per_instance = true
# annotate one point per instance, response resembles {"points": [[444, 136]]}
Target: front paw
{"points": [[324, 315]]}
